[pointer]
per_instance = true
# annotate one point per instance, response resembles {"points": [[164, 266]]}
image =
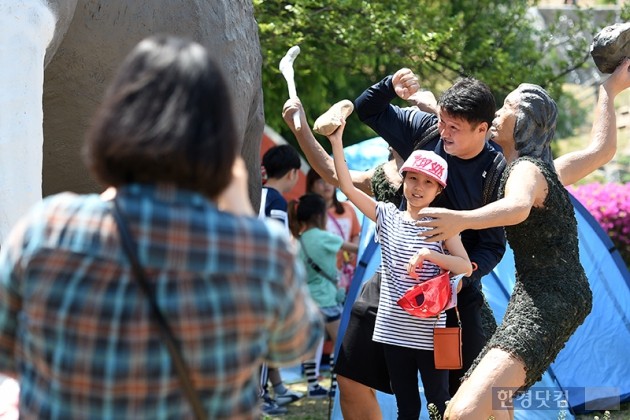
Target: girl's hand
{"points": [[416, 262], [337, 135]]}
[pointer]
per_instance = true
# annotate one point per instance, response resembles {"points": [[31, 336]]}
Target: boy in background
{"points": [[280, 164]]}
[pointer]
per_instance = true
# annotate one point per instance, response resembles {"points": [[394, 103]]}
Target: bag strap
{"points": [[316, 267], [459, 321], [337, 224], [158, 317], [432, 133]]}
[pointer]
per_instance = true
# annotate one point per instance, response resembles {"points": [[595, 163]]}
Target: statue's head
{"points": [[165, 118], [535, 126]]}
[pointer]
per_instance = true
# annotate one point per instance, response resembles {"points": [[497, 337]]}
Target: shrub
{"points": [[610, 205]]}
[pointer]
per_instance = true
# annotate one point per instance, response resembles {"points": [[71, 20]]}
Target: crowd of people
{"points": [[169, 296]]}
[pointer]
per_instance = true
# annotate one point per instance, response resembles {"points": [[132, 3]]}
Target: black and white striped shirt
{"points": [[399, 241]]}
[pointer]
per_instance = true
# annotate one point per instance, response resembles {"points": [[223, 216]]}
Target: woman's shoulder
{"points": [[532, 163]]}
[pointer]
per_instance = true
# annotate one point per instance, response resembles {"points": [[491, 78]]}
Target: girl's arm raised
{"points": [[365, 203], [315, 154]]}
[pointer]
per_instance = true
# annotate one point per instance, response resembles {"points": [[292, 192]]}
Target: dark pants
{"points": [[362, 359], [469, 304], [403, 365]]}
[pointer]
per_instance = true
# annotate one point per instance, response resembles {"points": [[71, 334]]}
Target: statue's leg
{"points": [[477, 398], [28, 27]]}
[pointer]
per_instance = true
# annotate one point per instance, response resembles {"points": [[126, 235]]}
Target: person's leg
{"points": [[275, 379], [469, 303], [264, 377], [282, 394], [403, 371], [434, 381], [318, 356], [332, 329], [358, 402], [360, 365], [497, 370]]}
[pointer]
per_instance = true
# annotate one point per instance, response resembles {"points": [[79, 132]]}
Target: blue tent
{"points": [[591, 372]]}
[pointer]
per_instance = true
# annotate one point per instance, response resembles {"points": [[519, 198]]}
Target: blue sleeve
{"points": [[399, 127], [486, 252]]}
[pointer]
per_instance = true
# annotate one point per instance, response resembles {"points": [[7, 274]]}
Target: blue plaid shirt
{"points": [[77, 331]]}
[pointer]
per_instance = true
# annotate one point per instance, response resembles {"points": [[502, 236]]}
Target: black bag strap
{"points": [[316, 267], [432, 133], [167, 333]]}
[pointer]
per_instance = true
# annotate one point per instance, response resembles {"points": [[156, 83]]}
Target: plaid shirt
{"points": [[77, 331]]}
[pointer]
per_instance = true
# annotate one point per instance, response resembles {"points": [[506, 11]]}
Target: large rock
{"points": [[101, 32], [610, 46]]}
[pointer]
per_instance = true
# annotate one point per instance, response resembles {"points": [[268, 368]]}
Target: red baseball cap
{"points": [[428, 163]]}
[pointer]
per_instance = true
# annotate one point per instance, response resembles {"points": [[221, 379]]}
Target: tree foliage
{"points": [[347, 45]]}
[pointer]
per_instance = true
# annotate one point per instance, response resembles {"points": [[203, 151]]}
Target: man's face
{"points": [[461, 138]]}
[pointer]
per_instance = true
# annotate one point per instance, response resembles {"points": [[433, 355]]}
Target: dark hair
{"points": [[279, 160], [308, 209], [535, 125], [311, 178], [469, 99], [165, 118]]}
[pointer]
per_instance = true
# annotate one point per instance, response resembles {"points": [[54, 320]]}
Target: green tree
{"points": [[346, 45]]}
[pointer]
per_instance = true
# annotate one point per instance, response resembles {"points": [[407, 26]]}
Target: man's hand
{"points": [[405, 83], [443, 224]]}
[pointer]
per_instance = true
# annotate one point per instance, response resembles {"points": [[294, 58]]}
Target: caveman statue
{"points": [[58, 55]]}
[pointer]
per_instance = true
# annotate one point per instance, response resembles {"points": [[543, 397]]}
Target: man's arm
{"points": [[400, 127], [486, 249]]}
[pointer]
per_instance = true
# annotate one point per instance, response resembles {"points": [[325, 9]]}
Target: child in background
{"points": [[407, 340], [342, 220], [280, 165], [318, 250]]}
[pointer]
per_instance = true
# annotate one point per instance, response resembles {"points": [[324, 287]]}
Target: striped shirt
{"points": [[399, 241], [78, 332]]}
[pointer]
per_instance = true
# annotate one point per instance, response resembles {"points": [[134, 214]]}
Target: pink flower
{"points": [[610, 206]]}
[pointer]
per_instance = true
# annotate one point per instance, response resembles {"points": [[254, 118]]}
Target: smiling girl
{"points": [[407, 340]]}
